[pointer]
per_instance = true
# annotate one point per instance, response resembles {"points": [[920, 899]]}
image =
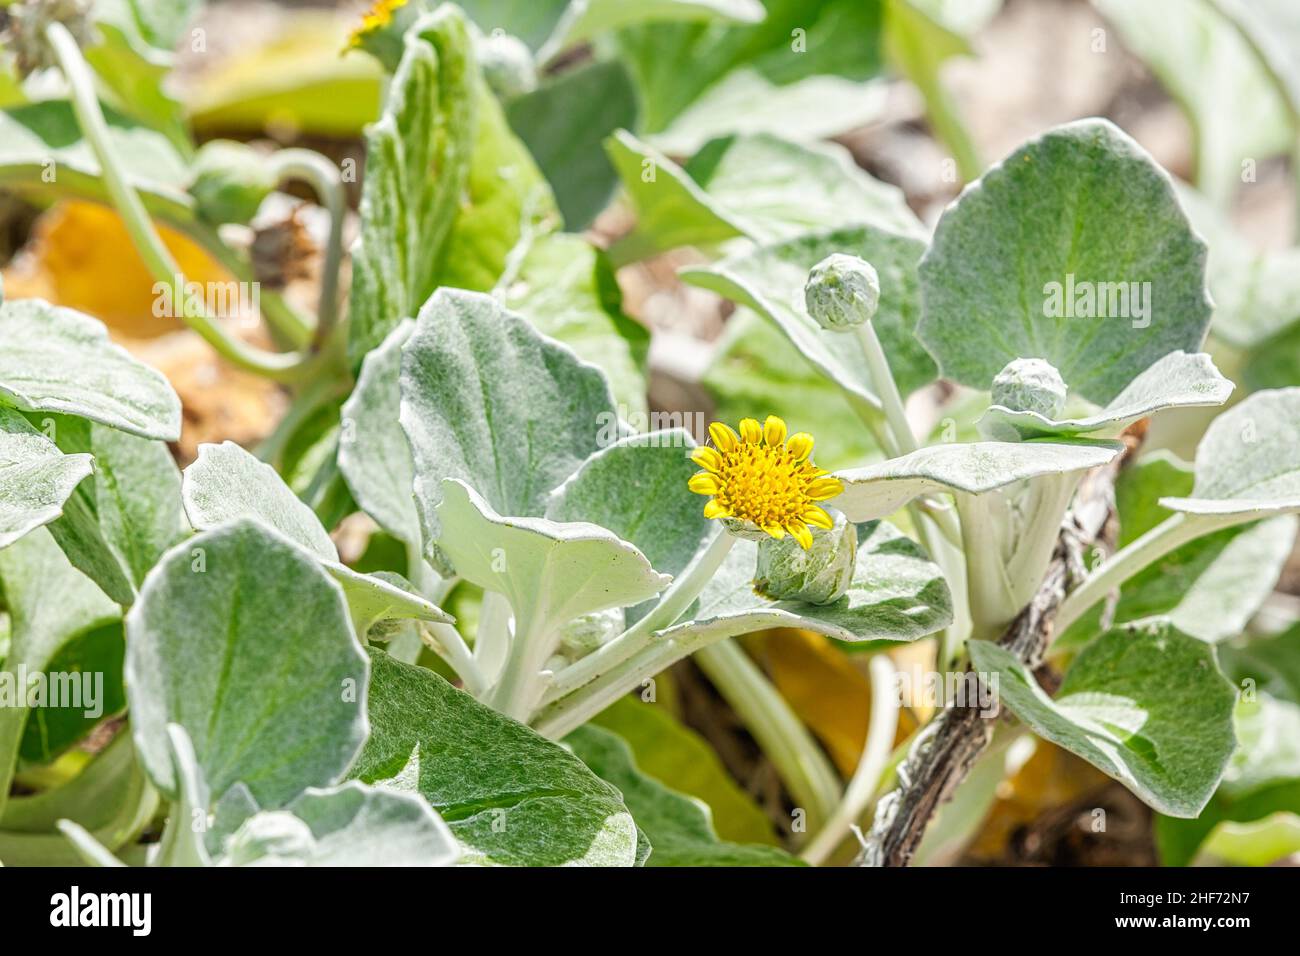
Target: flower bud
{"points": [[842, 292], [230, 181], [1030, 385], [819, 575], [25, 25], [585, 634], [507, 64]]}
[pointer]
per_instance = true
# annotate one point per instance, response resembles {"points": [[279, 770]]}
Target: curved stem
{"points": [[671, 606], [883, 379], [157, 258], [445, 641], [1172, 533], [871, 766], [323, 176], [798, 758]]}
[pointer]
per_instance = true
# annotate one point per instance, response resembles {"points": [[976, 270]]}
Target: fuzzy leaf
{"points": [[1147, 706], [679, 828], [1177, 380], [488, 400], [36, 478], [243, 640], [510, 796], [58, 360], [771, 279], [897, 594], [1043, 215], [1249, 460], [972, 468]]}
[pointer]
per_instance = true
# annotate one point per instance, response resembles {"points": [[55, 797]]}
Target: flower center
{"points": [[764, 484]]}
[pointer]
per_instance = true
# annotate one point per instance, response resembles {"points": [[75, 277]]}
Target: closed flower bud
{"points": [[1030, 385], [842, 292], [230, 181], [507, 65], [585, 634], [819, 574]]}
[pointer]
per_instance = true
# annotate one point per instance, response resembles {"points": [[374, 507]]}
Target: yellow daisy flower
{"points": [[380, 16], [762, 478]]}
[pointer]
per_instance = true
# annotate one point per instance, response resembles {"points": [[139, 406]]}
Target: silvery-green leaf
{"points": [[487, 399], [510, 796], [550, 571], [1273, 29], [1147, 706], [973, 468], [636, 488], [1047, 214], [36, 478], [50, 603], [374, 456], [116, 525], [349, 825], [241, 638], [58, 360], [1208, 588], [897, 594], [587, 19], [226, 483], [758, 186], [771, 280], [1176, 380], [1212, 73], [1249, 460], [566, 288], [418, 156], [679, 828]]}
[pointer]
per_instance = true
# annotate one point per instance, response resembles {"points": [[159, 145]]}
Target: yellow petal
{"points": [[824, 488], [715, 510], [751, 431], [774, 431], [799, 531], [775, 530], [818, 518], [708, 459], [703, 483], [723, 437], [800, 445]]}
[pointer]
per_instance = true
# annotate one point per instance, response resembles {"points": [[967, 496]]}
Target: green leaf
{"points": [[680, 758], [1272, 27], [771, 279], [349, 825], [1249, 460], [897, 594], [551, 572], [680, 829], [564, 124], [226, 483], [1147, 706], [94, 658], [418, 157], [117, 525], [50, 603], [36, 479], [758, 186], [510, 796], [44, 138], [488, 400], [636, 488], [1046, 215], [587, 19], [1273, 662], [1176, 380], [972, 468], [1209, 69], [566, 288], [244, 641], [530, 20], [1209, 588], [58, 360], [110, 798], [374, 456]]}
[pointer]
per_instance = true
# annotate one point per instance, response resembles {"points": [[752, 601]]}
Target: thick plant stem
{"points": [[162, 266], [799, 760], [1172, 533], [671, 606], [871, 766]]}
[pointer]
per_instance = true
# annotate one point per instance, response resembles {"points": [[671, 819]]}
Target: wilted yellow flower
{"points": [[761, 478]]}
